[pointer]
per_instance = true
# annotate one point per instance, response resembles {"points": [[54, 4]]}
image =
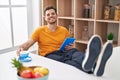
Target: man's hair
{"points": [[50, 7]]}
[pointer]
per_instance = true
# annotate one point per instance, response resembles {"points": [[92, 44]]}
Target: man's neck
{"points": [[52, 27]]}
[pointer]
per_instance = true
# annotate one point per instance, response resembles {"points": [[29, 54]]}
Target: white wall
{"points": [[36, 13]]}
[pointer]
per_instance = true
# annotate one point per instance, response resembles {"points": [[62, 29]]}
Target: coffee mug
{"points": [[24, 56]]}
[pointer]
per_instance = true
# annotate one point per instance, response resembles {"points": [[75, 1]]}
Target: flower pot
{"points": [[111, 41]]}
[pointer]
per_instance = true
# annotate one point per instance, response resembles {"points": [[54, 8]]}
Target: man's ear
{"points": [[44, 17]]}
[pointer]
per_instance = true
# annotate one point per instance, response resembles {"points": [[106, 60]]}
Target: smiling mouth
{"points": [[52, 19]]}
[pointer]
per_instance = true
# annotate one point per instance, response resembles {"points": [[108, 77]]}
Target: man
{"points": [[50, 37]]}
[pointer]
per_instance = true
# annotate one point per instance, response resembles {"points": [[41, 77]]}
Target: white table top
{"points": [[58, 70]]}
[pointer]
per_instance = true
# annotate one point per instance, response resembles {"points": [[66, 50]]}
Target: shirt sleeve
{"points": [[35, 34]]}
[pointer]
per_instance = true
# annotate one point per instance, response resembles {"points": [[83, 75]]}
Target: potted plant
{"points": [[110, 37]]}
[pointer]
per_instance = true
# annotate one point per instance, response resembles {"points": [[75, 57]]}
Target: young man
{"points": [[50, 37]]}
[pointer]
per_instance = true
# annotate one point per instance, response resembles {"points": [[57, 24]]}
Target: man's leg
{"points": [[61, 55], [92, 53], [56, 55], [76, 59], [105, 54]]}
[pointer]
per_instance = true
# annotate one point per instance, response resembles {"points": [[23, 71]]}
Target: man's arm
{"points": [[25, 46]]}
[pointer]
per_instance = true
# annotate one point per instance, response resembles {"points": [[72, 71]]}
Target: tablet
{"points": [[67, 41]]}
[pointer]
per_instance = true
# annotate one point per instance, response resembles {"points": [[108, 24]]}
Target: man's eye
{"points": [[48, 14], [53, 13]]}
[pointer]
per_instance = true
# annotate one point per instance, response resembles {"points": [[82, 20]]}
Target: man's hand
{"points": [[70, 46], [18, 51]]}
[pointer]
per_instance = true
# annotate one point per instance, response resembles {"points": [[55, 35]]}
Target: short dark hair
{"points": [[50, 7]]}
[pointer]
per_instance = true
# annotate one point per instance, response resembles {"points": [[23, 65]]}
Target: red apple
{"points": [[37, 75], [26, 74]]}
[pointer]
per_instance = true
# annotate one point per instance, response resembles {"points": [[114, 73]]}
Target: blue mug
{"points": [[24, 56]]}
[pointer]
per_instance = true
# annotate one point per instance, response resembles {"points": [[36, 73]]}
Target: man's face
{"points": [[50, 16]]}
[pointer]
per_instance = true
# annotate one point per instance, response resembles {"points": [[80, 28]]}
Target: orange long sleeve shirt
{"points": [[49, 41]]}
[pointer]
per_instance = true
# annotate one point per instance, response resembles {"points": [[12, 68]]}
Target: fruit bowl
{"points": [[38, 73]]}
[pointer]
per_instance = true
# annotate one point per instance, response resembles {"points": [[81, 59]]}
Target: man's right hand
{"points": [[18, 51]]}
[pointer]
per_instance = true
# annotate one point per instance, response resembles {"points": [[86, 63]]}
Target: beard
{"points": [[52, 21]]}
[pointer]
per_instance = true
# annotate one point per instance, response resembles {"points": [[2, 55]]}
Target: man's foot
{"points": [[105, 54], [92, 53]]}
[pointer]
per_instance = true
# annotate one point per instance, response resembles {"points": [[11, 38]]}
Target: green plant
{"points": [[110, 36]]}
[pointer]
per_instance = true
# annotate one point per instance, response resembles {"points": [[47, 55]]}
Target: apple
{"points": [[26, 74], [37, 75]]}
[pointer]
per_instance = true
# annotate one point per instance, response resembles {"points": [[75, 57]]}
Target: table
{"points": [[58, 70]]}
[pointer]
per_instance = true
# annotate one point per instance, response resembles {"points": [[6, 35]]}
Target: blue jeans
{"points": [[72, 57]]}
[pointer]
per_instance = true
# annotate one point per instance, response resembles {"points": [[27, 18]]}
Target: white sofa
{"points": [[112, 69]]}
